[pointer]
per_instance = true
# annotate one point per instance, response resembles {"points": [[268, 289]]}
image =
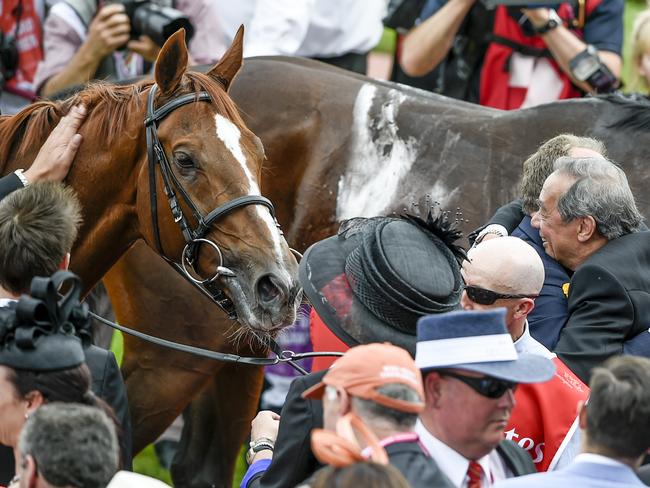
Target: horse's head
{"points": [[215, 160]]}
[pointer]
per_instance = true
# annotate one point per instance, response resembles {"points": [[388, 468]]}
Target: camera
{"points": [[155, 21], [492, 4], [8, 58]]}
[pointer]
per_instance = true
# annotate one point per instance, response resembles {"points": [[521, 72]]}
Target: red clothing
{"points": [[323, 339], [546, 414], [28, 42], [496, 88]]}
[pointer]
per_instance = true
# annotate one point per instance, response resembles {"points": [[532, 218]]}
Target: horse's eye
{"points": [[184, 161]]}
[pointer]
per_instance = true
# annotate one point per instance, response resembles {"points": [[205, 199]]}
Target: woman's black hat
{"points": [[41, 332], [375, 278]]}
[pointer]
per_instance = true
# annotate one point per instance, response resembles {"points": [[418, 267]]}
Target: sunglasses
{"points": [[488, 297], [486, 386]]}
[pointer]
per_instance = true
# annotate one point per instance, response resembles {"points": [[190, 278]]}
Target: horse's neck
{"points": [[106, 185]]}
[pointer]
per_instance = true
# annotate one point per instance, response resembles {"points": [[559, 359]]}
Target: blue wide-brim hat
{"points": [[477, 341]]}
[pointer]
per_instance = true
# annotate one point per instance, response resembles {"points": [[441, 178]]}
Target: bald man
{"points": [[509, 273]]}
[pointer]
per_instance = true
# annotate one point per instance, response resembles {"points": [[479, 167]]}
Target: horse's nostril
{"points": [[267, 289]]}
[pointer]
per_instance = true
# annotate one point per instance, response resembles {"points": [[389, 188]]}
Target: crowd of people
{"points": [[521, 361]]}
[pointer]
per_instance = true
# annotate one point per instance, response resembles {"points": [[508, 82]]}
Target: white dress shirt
{"points": [[527, 344], [455, 465], [309, 28]]}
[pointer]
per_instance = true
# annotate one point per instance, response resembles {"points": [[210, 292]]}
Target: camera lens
{"points": [[159, 23]]}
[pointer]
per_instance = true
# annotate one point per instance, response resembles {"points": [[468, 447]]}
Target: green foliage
{"points": [[632, 8]]}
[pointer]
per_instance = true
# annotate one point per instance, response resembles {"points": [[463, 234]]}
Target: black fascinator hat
{"points": [[375, 278], [42, 332]]}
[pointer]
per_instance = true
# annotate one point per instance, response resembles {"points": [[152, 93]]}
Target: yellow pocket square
{"points": [[565, 289]]}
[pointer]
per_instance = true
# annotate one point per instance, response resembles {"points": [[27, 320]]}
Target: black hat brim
{"points": [[322, 275]]}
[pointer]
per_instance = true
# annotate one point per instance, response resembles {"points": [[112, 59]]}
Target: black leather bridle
{"points": [[193, 237]]}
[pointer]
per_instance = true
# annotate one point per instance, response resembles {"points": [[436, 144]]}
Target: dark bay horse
{"points": [[338, 145], [212, 156]]}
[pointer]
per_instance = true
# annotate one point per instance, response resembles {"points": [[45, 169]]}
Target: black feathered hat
{"points": [[41, 332], [375, 278]]}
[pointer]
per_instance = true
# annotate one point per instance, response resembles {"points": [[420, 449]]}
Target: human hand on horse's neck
{"points": [[55, 157]]}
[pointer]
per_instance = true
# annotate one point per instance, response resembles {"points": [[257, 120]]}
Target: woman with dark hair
{"points": [[22, 391], [41, 355]]}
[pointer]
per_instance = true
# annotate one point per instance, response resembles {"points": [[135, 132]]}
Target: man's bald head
{"points": [[505, 265]]}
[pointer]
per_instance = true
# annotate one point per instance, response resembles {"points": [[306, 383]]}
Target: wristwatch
{"points": [[261, 444], [553, 21]]}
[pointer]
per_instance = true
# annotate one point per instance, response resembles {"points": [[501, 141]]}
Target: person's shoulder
{"points": [[517, 460], [605, 7], [557, 479], [633, 247], [417, 466]]}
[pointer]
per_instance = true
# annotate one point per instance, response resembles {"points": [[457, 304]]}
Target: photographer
{"points": [[83, 40], [20, 52], [514, 57], [38, 225]]}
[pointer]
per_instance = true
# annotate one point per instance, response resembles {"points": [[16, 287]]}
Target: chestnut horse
{"points": [[211, 158], [338, 145]]}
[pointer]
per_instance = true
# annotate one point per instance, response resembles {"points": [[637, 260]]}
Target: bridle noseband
{"points": [[193, 237]]}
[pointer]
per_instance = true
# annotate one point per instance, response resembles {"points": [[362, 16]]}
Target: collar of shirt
{"points": [[6, 301], [587, 457], [527, 344], [452, 463]]}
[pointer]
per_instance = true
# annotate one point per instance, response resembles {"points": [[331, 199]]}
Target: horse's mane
{"points": [[30, 127], [635, 108]]}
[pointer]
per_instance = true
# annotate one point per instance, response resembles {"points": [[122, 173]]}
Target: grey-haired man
{"points": [[589, 223]]}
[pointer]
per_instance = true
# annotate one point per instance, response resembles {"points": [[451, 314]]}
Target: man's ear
{"points": [[28, 472], [65, 262], [582, 415], [433, 390], [524, 307], [587, 227], [34, 400]]}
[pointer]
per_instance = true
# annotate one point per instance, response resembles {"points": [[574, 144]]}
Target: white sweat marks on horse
{"points": [[379, 158]]}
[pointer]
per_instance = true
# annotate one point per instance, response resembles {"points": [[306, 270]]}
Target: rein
{"points": [[193, 237], [281, 356]]}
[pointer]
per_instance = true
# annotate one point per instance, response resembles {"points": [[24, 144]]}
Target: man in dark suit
{"points": [[550, 312], [616, 431], [38, 225], [405, 257], [588, 222]]}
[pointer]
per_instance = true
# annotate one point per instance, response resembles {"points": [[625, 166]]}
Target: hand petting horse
{"points": [[173, 163]]}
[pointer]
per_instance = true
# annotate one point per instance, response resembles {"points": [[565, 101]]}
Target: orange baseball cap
{"points": [[362, 369]]}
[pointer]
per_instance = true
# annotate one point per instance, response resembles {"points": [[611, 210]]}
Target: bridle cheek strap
{"points": [[193, 237]]}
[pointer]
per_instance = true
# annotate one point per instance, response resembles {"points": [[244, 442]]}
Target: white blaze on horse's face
{"points": [[230, 135]]}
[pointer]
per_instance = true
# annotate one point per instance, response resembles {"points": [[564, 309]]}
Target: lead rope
{"points": [[281, 356]]}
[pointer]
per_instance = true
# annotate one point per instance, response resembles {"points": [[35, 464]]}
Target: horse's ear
{"points": [[230, 63], [171, 62]]}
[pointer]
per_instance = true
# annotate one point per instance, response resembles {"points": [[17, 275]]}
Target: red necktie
{"points": [[474, 475]]}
